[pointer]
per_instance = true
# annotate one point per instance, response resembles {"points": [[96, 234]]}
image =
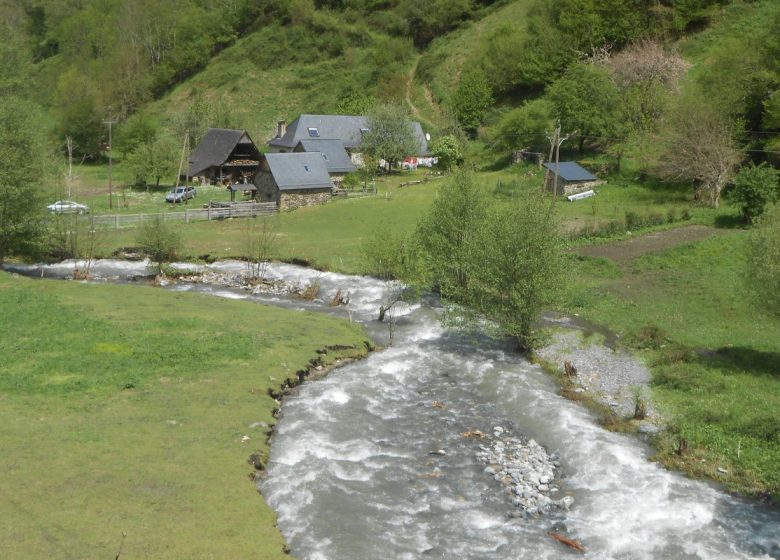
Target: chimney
{"points": [[281, 128]]}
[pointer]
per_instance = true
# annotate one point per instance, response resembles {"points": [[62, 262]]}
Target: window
{"points": [[314, 133], [364, 131], [306, 167], [325, 157]]}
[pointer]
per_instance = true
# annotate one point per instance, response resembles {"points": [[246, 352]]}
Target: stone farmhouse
{"points": [[293, 180], [336, 158], [348, 129]]}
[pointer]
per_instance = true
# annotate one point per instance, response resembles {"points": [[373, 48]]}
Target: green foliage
{"points": [[130, 134], [755, 188], [526, 127], [586, 100], [390, 136], [447, 148], [154, 160], [763, 264], [355, 102], [23, 176], [471, 99], [521, 268], [384, 253], [504, 261], [159, 241], [450, 235], [80, 113]]}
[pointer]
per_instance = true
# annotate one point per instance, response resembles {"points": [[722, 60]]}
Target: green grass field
{"points": [[126, 410], [717, 347], [714, 353]]}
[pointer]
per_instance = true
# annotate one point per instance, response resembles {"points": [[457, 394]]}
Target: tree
{"points": [[156, 159], [586, 100], [448, 151], [23, 173], [763, 261], [159, 241], [450, 236], [526, 126], [79, 110], [471, 99], [355, 102], [755, 188], [390, 135], [699, 147], [520, 271]]}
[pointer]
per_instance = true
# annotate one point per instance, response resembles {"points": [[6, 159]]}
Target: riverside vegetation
{"points": [[624, 87]]}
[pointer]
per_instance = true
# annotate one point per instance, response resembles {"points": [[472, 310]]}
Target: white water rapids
{"points": [[352, 476]]}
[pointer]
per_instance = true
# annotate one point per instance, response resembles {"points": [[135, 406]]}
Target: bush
{"points": [[159, 241], [633, 220], [755, 188]]}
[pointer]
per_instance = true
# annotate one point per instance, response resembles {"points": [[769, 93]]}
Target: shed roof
{"points": [[216, 147], [571, 171], [336, 158], [299, 170], [347, 128]]}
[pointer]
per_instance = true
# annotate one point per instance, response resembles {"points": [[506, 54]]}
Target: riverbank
{"points": [[713, 354], [145, 404]]}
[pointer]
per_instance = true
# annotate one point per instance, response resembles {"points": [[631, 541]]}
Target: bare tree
{"points": [[261, 238], [699, 147]]}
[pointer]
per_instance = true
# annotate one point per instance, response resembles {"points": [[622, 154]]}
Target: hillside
{"points": [[170, 66]]}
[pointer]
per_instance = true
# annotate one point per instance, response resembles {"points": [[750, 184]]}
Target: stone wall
{"points": [[266, 187], [290, 200], [566, 188]]}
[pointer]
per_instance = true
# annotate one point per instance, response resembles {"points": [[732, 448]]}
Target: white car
{"points": [[68, 207]]}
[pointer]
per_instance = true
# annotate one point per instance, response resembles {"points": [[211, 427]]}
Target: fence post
{"points": [[116, 221], [186, 217], [208, 212]]}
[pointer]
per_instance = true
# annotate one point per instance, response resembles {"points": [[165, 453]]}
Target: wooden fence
{"points": [[216, 211]]}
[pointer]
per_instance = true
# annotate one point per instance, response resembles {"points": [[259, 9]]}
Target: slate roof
{"points": [[571, 171], [215, 148], [336, 158], [334, 127], [299, 170]]}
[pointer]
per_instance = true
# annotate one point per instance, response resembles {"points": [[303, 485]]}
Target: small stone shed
{"points": [[572, 178], [293, 180]]}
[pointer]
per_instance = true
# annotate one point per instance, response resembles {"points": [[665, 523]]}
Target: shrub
{"points": [[685, 215], [671, 216], [755, 188], [633, 220], [159, 241]]}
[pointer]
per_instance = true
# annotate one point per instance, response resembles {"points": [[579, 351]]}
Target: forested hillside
{"points": [[624, 77]]}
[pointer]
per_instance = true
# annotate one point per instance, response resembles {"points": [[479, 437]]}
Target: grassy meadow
{"points": [[714, 353], [127, 410]]}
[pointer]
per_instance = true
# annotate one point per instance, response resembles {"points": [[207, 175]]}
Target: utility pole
{"points": [[69, 144], [185, 150], [110, 122], [555, 144]]}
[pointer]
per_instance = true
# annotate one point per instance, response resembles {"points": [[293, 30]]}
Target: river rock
{"points": [[525, 470]]}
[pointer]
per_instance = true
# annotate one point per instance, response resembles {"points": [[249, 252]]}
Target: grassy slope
{"points": [[131, 415], [716, 370], [447, 55]]}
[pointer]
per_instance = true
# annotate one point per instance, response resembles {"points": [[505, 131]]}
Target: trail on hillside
{"points": [[623, 251]]}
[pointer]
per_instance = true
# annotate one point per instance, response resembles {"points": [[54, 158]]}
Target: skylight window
{"points": [[364, 131], [306, 167], [325, 157], [313, 132]]}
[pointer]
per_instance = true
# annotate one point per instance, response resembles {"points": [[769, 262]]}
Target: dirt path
{"points": [[624, 251]]}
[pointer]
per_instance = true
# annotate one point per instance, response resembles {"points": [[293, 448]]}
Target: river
{"points": [[371, 462]]}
